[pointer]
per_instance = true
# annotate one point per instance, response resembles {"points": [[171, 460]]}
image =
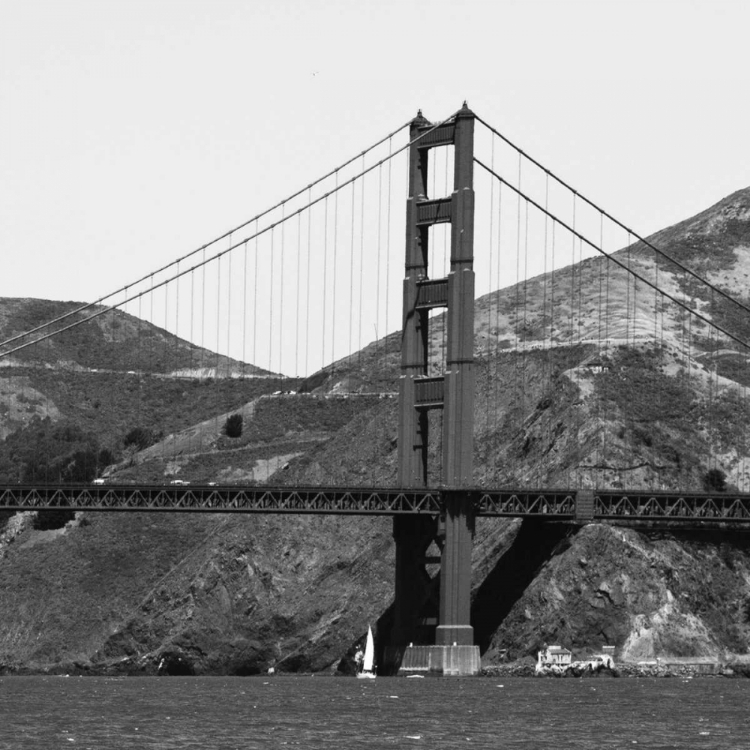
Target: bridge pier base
{"points": [[453, 661]]}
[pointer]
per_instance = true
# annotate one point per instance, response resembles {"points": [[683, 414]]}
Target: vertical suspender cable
{"points": [[217, 349], [377, 274], [351, 278], [139, 368], [497, 311], [335, 269], [546, 373], [255, 299], [218, 341], [493, 297], [548, 344], [309, 275], [166, 325], [229, 304], [388, 245], [325, 282], [282, 280], [297, 322], [572, 275], [627, 296], [524, 329], [176, 305], [270, 316], [244, 309], [361, 254], [517, 385], [203, 314], [192, 320]]}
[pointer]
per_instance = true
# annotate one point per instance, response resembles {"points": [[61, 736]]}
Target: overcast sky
{"points": [[133, 131]]}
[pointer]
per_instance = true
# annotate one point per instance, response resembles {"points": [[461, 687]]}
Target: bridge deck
{"points": [[556, 504]]}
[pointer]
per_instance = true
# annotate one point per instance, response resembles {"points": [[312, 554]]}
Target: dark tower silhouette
{"points": [[453, 392]]}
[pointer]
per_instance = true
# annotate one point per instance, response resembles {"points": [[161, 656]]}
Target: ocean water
{"points": [[100, 713]]}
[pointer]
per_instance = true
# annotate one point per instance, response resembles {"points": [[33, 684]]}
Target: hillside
{"points": [[112, 341], [100, 380], [570, 392]]}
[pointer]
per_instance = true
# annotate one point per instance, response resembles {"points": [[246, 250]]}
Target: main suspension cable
{"points": [[203, 247], [593, 205], [204, 261], [636, 276]]}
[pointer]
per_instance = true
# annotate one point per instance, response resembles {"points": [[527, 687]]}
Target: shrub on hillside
{"points": [[233, 426], [715, 480], [139, 438]]}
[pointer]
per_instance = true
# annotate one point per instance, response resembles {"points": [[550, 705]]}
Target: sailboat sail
{"points": [[368, 663]]}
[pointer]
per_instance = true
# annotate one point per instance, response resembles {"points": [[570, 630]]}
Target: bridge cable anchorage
{"points": [[616, 261], [593, 205], [216, 256]]}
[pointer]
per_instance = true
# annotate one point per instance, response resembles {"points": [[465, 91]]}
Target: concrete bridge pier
{"points": [[453, 652], [455, 575]]}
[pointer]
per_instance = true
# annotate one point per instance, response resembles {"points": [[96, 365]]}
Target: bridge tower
{"points": [[453, 651]]}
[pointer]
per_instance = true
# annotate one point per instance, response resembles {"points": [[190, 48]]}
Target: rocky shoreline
{"points": [[666, 669]]}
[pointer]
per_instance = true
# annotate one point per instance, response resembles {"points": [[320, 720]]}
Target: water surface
{"points": [[107, 713]]}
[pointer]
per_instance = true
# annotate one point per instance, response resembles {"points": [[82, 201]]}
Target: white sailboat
{"points": [[368, 663]]}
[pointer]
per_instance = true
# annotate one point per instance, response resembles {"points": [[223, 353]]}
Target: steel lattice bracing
{"points": [[560, 505]]}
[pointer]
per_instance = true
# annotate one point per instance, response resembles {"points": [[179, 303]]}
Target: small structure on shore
{"points": [[554, 655], [558, 662]]}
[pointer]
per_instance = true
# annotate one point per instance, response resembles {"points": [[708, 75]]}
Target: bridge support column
{"points": [[455, 574], [413, 535], [454, 631], [453, 652]]}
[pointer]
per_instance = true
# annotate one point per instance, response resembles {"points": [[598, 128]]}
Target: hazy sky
{"points": [[133, 131]]}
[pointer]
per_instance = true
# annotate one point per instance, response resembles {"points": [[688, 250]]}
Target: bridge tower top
{"points": [[453, 392]]}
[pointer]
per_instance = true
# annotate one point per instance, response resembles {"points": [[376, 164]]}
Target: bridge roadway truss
{"points": [[554, 505]]}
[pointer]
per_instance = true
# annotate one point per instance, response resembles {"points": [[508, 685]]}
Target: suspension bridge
{"points": [[546, 358]]}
